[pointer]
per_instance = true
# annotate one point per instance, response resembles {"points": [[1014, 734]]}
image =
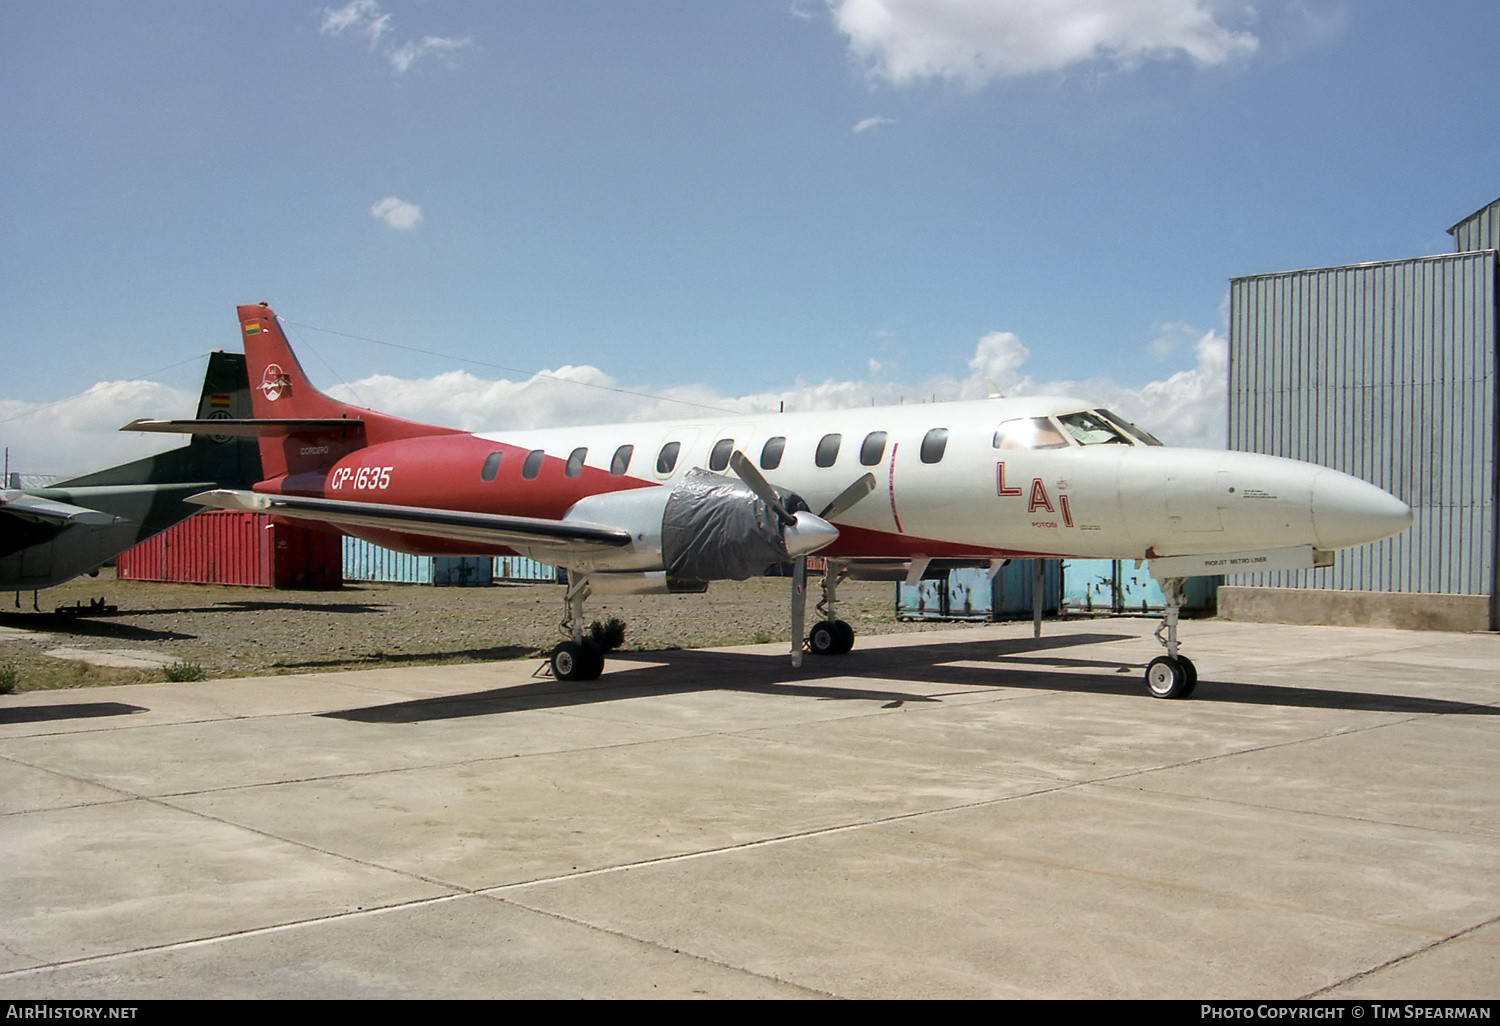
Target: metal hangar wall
{"points": [[1385, 371]]}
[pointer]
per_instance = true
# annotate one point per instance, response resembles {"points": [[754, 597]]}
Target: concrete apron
{"points": [[966, 813]]}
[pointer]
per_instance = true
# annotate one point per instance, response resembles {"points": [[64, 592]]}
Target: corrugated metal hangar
{"points": [[1385, 371]]}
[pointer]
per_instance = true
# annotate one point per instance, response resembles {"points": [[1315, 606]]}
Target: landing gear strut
{"points": [[830, 636], [576, 658], [1171, 675]]}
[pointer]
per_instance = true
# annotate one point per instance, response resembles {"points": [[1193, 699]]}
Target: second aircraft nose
{"points": [[1348, 511]]}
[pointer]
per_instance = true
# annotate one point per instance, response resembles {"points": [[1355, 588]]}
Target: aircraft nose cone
{"points": [[1348, 511], [809, 534]]}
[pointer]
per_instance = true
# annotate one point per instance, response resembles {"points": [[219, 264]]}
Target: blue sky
{"points": [[740, 203]]}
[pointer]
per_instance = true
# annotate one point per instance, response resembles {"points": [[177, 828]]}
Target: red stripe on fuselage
{"points": [[444, 472]]}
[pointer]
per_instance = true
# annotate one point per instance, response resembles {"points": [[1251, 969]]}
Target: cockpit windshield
{"points": [[1089, 428], [1029, 433], [1129, 428]]}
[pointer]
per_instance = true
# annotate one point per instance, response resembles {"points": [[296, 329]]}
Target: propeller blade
{"points": [[760, 486], [848, 497], [799, 607]]}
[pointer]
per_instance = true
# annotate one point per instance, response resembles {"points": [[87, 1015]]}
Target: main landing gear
{"points": [[576, 658], [1171, 675], [830, 636]]}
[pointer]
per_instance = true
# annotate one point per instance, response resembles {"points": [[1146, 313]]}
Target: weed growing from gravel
{"points": [[608, 635], [184, 671], [9, 678]]}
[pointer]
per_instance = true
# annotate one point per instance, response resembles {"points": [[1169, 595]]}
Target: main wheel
{"points": [[846, 637], [1168, 678], [823, 639], [574, 661], [593, 657], [1192, 676]]}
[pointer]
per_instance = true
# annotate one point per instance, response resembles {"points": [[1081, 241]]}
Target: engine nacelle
{"points": [[706, 527]]}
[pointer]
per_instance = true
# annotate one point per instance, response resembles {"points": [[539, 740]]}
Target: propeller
{"points": [[761, 487], [848, 497], [804, 533]]}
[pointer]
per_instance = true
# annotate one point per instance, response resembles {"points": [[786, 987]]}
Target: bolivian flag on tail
{"points": [[252, 329]]}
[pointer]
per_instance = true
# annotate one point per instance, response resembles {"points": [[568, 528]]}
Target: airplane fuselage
{"points": [[949, 482]]}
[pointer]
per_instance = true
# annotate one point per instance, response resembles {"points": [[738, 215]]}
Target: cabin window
{"points": [[533, 465], [933, 445], [575, 461], [667, 458], [719, 458], [770, 453], [491, 466], [828, 450], [872, 449], [1029, 433], [1088, 428], [621, 462]]}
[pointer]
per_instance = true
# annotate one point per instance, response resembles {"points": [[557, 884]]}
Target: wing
{"points": [[458, 525], [50, 511]]}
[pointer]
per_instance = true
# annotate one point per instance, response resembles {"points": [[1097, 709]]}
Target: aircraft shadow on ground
{"points": [[87, 627], [79, 711], [1011, 664], [374, 660], [679, 672]]}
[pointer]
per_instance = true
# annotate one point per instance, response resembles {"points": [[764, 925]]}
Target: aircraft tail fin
{"points": [[280, 391], [209, 456]]}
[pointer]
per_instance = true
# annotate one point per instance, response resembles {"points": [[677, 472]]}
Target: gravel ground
{"points": [[252, 631]]}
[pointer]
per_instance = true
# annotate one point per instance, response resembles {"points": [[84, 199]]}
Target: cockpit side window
{"points": [[1029, 433], [1088, 428]]}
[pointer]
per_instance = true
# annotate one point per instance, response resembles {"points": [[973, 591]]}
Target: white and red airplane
{"points": [[652, 507]]}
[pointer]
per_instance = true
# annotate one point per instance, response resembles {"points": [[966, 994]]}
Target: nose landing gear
{"points": [[1171, 675]]}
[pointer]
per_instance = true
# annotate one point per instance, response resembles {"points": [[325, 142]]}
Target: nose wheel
{"points": [[1171, 675]]}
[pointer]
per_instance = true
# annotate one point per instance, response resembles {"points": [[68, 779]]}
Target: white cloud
{"points": [[1187, 408], [82, 433], [359, 18], [404, 56], [867, 124], [365, 19], [975, 41], [397, 213]]}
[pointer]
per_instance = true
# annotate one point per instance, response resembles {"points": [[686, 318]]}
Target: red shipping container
{"points": [[230, 547]]}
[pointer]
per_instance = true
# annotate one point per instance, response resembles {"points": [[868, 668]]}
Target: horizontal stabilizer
{"points": [[50, 511], [457, 525], [245, 428]]}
